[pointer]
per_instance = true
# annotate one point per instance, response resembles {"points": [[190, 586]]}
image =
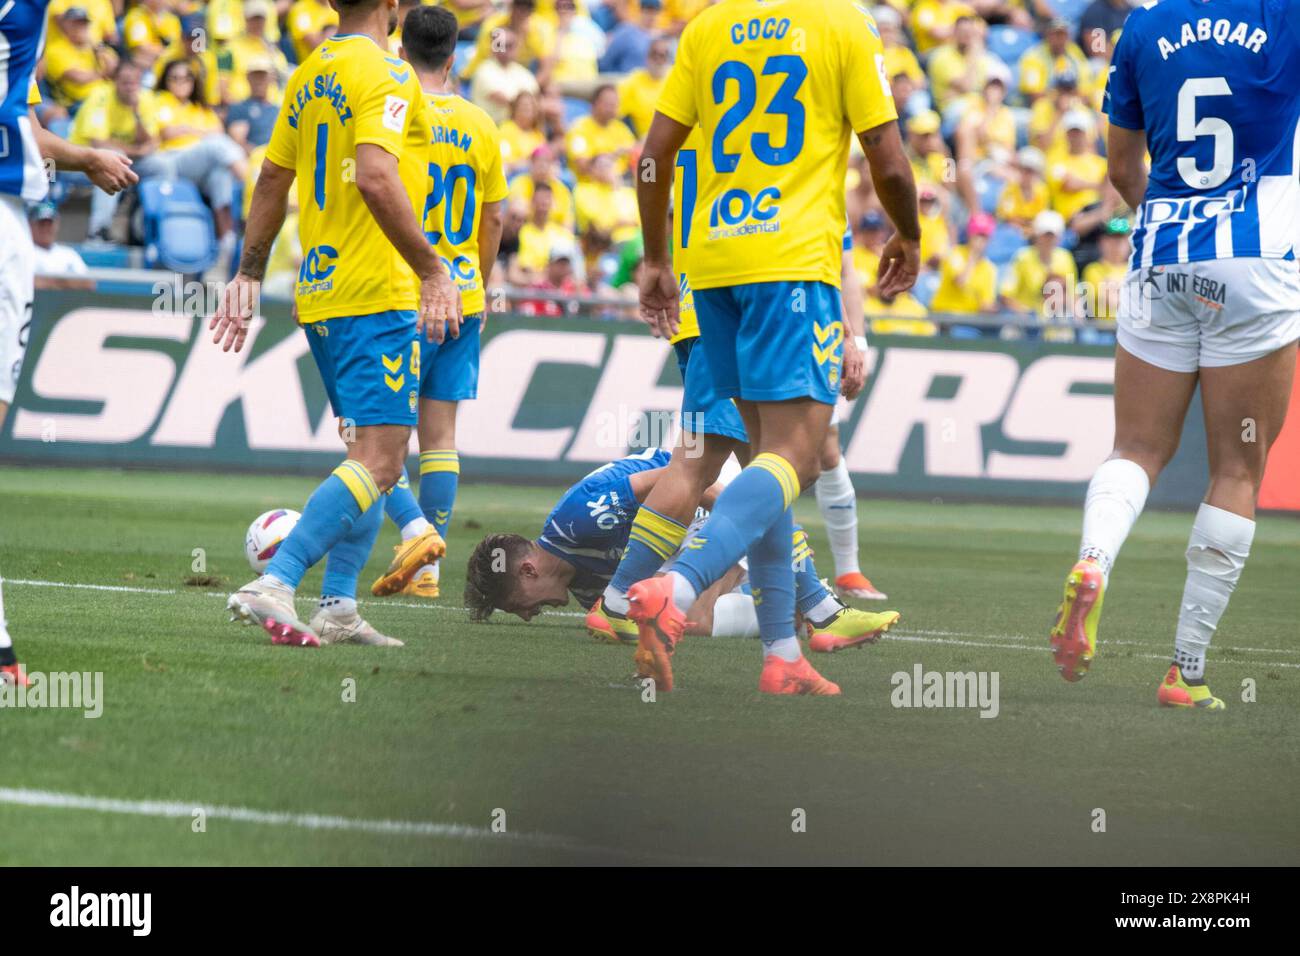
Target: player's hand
{"points": [[659, 299], [900, 264], [853, 372], [229, 326], [110, 170], [440, 307]]}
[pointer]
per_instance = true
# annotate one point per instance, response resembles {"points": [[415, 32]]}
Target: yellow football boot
{"points": [[423, 585], [1074, 635], [610, 628], [1176, 692], [850, 628], [410, 557]]}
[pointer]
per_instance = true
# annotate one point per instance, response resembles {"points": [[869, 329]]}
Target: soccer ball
{"points": [[265, 534]]}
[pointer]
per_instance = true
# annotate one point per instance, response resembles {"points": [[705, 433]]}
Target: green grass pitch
{"points": [[536, 727]]}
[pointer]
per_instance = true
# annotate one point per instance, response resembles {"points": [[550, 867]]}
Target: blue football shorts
{"points": [[773, 341], [370, 365]]}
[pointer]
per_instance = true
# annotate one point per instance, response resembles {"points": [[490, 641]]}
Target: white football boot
{"points": [[268, 603], [348, 627]]}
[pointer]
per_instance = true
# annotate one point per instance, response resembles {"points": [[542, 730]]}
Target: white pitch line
{"points": [[173, 809], [892, 636], [918, 636]]}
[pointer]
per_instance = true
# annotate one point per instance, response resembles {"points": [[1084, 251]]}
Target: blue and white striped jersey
{"points": [[590, 525], [22, 37], [1216, 86]]}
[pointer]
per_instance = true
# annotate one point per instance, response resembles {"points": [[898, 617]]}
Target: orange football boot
{"points": [[659, 627], [784, 677]]}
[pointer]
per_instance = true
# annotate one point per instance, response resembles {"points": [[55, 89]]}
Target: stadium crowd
{"points": [[999, 100]]}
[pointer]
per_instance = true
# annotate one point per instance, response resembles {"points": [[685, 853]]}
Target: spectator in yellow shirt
{"points": [[577, 44], [521, 134], [936, 238], [987, 127], [74, 66], [150, 28], [535, 34], [606, 206], [963, 64], [1076, 179], [933, 20], [599, 134], [256, 41], [1055, 55], [103, 18], [193, 143], [899, 57], [121, 117], [639, 90], [310, 22], [1026, 195], [1103, 279], [968, 280], [537, 237], [1023, 290], [931, 162], [541, 169]]}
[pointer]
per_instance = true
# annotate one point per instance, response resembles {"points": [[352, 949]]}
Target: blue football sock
{"points": [[400, 503], [760, 495], [808, 588], [350, 553], [653, 540], [771, 578], [439, 476], [329, 514]]}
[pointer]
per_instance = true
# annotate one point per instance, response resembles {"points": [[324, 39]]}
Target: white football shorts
{"points": [[17, 268], [1209, 314]]}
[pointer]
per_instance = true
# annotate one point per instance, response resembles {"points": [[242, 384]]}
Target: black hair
{"points": [[489, 576], [429, 37]]}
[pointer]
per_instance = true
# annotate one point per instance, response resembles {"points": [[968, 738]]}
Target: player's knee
{"points": [[1151, 455]]}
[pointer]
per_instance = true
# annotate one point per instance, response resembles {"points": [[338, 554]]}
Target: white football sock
{"points": [[1116, 496], [415, 527], [430, 569], [339, 606], [839, 507], [5, 641], [271, 581], [683, 593], [615, 600], [786, 648], [827, 607], [1216, 553], [734, 616]]}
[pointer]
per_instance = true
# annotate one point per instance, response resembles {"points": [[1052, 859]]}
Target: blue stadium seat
{"points": [[1004, 243], [1071, 10], [460, 59], [178, 231], [966, 332], [927, 284], [989, 189], [1009, 43], [575, 109]]}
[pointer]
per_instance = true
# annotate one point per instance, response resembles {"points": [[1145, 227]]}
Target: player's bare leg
{"points": [[1245, 407], [1150, 405]]}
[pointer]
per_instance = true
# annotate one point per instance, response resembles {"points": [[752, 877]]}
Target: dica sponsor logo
{"points": [[949, 689], [101, 910]]}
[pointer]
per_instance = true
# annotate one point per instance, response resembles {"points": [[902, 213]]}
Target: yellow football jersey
{"points": [[464, 172], [685, 191], [350, 92], [777, 89]]}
